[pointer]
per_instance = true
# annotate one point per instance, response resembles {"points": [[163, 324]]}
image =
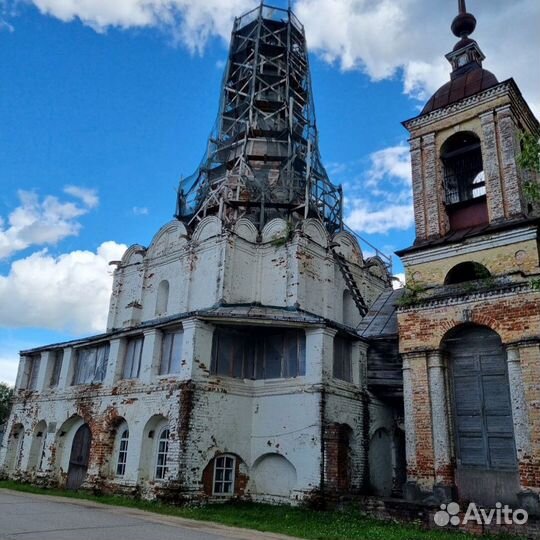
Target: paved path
{"points": [[25, 516]]}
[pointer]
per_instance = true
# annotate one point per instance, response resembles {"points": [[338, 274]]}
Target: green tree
{"points": [[529, 160], [5, 397]]}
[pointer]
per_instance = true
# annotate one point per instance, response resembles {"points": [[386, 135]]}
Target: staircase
{"points": [[351, 283]]}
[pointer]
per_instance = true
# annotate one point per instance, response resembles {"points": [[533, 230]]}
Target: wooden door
{"points": [[79, 457], [484, 430]]}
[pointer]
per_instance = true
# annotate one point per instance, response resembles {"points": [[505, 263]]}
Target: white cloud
{"points": [[88, 196], [68, 292], [381, 199], [383, 38], [41, 221], [393, 161], [408, 38], [9, 363], [140, 210], [367, 217], [399, 281], [192, 22]]}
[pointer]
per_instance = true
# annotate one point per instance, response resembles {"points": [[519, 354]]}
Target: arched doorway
{"points": [[79, 457], [486, 463]]}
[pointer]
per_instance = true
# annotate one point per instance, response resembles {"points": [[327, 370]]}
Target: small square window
{"points": [[224, 467]]}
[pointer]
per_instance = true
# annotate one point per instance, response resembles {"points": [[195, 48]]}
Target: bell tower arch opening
{"points": [[464, 180]]}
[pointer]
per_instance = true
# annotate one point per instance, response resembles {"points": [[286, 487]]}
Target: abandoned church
{"points": [[253, 351]]}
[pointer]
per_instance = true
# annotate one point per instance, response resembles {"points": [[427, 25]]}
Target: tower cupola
{"points": [[468, 76]]}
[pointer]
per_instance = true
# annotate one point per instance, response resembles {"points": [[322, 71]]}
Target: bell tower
{"points": [[464, 147], [469, 320]]}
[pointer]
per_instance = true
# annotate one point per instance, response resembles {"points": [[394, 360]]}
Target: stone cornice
{"points": [[456, 299], [508, 87], [490, 240]]}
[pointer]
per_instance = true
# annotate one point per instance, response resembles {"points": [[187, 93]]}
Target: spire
{"points": [[466, 53], [464, 23], [468, 76]]}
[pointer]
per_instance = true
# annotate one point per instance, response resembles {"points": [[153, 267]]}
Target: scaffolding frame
{"points": [[262, 160]]}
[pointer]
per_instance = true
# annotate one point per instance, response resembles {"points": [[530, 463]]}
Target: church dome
{"points": [[466, 84]]}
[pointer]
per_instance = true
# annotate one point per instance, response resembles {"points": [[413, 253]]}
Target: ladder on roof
{"points": [[351, 283]]}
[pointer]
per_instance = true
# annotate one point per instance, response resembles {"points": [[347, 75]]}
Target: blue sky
{"points": [[105, 105]]}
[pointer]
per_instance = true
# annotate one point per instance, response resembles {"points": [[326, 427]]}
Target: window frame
{"points": [[175, 333], [135, 359], [247, 353], [342, 365], [33, 371], [223, 480], [122, 453], [99, 364], [161, 469], [58, 361]]}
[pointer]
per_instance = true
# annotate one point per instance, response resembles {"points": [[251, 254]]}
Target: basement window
{"points": [[224, 467], [132, 360], [91, 364], [258, 353], [342, 358]]}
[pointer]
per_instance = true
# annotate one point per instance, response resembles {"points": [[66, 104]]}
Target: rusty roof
{"points": [[465, 84]]}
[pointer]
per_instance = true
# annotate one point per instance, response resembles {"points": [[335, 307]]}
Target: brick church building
{"points": [[469, 325], [253, 350]]}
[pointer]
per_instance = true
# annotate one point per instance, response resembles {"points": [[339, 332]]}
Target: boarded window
{"points": [[224, 475], [162, 454], [33, 371], [132, 360], [91, 364], [58, 359], [342, 358], [122, 453], [171, 352], [258, 353]]}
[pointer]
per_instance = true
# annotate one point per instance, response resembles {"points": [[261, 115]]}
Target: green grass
{"points": [[300, 522]]}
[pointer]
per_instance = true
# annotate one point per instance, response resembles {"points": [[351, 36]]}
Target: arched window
{"points": [[14, 448], [162, 454], [466, 271], [37, 448], [464, 180], [122, 452], [162, 299], [224, 467]]}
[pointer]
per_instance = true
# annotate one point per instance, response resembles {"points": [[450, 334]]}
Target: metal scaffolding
{"points": [[262, 159]]}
